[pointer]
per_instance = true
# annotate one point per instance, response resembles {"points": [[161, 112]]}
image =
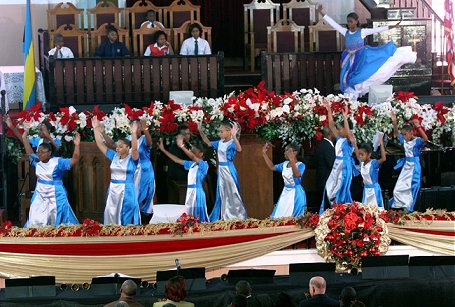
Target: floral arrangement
{"points": [[348, 232], [291, 117]]}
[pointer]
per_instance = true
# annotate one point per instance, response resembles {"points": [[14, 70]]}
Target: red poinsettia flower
{"points": [[133, 113], [404, 96]]}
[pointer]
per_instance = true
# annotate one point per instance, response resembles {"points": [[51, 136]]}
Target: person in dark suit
{"points": [[325, 156], [112, 47], [318, 297]]}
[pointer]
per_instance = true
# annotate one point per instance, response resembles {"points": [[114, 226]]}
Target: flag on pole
{"points": [[448, 31], [29, 61]]}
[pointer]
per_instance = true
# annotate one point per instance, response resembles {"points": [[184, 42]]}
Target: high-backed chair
{"points": [[143, 37], [137, 14], [302, 12], [285, 36], [181, 33], [104, 12], [324, 38], [179, 12], [98, 36], [65, 13], [258, 15], [75, 39]]}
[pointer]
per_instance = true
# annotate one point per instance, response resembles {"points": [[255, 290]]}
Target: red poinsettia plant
{"points": [[348, 232], [186, 223]]}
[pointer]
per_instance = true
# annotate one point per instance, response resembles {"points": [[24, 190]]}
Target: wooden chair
{"points": [[302, 12], [285, 36], [179, 12], [144, 36], [137, 14], [180, 34], [324, 38], [104, 12], [64, 13], [258, 15], [75, 39], [99, 35]]}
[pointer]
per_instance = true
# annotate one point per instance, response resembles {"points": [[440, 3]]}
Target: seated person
{"points": [[151, 21], [127, 293], [175, 291], [112, 47], [195, 45], [160, 47], [60, 51]]}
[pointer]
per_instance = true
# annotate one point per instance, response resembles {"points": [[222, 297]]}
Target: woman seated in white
{"points": [[195, 45], [60, 51]]}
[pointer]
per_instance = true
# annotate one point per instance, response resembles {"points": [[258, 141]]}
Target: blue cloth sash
{"points": [[193, 186], [290, 186], [50, 182], [117, 181], [402, 161], [371, 186], [224, 163]]}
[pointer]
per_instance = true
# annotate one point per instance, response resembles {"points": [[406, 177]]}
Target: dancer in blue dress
{"points": [[364, 66], [292, 201], [195, 201], [338, 185], [121, 202], [228, 204], [407, 187], [49, 205], [369, 169], [144, 177]]}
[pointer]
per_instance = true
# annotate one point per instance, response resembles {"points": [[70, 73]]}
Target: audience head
{"points": [[184, 131], [195, 30], [112, 34], [44, 151], [407, 132], [128, 289], [291, 148], [328, 134], [199, 150], [151, 15], [347, 296], [317, 285], [123, 147], [58, 40], [342, 130], [239, 301], [243, 288], [353, 21], [365, 151], [175, 289], [160, 38]]}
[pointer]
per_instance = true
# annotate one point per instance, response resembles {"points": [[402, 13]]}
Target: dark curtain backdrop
{"points": [[226, 19]]}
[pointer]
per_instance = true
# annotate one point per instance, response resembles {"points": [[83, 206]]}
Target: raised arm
{"points": [[234, 130], [266, 157], [28, 147], [353, 141], [383, 154], [134, 151], [168, 154], [419, 128], [13, 128], [292, 156], [97, 133], [203, 135], [47, 135], [330, 119], [330, 21], [345, 119], [393, 116], [107, 139], [145, 129], [181, 144], [77, 152]]}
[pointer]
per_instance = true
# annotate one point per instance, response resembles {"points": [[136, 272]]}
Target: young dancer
{"points": [[363, 66], [160, 45], [49, 205], [121, 203], [228, 204], [195, 201], [292, 201], [338, 185], [369, 169], [407, 187]]}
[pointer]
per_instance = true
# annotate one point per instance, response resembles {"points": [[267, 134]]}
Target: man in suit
{"points": [[318, 297], [112, 47], [325, 156]]}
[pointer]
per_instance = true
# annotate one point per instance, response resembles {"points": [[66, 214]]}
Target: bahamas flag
{"points": [[29, 61]]}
